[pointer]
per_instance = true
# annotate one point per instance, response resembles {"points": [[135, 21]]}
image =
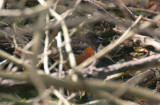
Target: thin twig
{"points": [[144, 10], [61, 97], [46, 68], [59, 41]]}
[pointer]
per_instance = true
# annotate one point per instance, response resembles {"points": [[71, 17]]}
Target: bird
{"points": [[85, 46]]}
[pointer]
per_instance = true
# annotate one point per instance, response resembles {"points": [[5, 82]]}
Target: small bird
{"points": [[84, 46]]}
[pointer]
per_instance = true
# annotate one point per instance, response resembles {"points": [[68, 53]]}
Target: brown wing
{"points": [[88, 52]]}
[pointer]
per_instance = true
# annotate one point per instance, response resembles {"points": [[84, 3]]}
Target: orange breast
{"points": [[86, 54]]}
